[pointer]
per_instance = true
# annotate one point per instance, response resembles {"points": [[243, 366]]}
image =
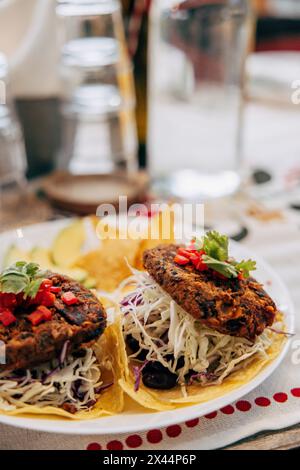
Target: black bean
{"points": [[155, 375], [180, 362], [134, 346]]}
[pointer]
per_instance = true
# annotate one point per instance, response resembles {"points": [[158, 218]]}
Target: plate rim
{"points": [[159, 419]]}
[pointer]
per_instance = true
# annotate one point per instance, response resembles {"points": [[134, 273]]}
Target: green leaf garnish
{"points": [[22, 277], [13, 283], [227, 269], [217, 258], [215, 245], [245, 267], [32, 288]]}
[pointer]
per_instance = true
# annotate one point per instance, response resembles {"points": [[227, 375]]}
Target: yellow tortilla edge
{"points": [[106, 404]]}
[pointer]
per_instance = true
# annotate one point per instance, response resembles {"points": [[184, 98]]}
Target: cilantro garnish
{"points": [[245, 267], [22, 277], [215, 246], [216, 257]]}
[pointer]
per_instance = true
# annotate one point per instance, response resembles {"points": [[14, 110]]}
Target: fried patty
{"points": [[231, 306], [27, 346]]}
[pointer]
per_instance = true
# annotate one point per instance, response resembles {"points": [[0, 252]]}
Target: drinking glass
{"points": [[98, 102], [90, 18], [197, 56]]}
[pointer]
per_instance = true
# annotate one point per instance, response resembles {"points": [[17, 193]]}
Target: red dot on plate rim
{"points": [[134, 441], [94, 446], [173, 431], [114, 445], [280, 397], [296, 392], [243, 405], [155, 436], [227, 410], [262, 401], [211, 415], [192, 423]]}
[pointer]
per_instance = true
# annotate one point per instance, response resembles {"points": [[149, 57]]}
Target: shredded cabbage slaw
{"points": [[164, 329], [76, 381]]}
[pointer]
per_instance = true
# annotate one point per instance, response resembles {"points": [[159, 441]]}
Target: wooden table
{"points": [[40, 210]]}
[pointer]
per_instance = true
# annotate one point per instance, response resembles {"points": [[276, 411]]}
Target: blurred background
{"points": [[152, 97]]}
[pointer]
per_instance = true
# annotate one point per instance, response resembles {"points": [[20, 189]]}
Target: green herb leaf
{"points": [[217, 258], [215, 245], [32, 269], [227, 269], [22, 277], [13, 283], [32, 288], [245, 267]]}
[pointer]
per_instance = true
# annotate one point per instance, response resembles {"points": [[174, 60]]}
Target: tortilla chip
{"points": [[111, 400], [109, 265], [160, 230]]}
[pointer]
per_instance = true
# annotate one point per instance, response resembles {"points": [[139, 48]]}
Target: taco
{"points": [[58, 358], [196, 324]]}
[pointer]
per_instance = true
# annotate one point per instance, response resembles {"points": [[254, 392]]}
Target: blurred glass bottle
{"points": [[99, 130], [197, 55]]}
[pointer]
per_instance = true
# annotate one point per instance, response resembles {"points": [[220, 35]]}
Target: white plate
{"points": [[42, 235]]}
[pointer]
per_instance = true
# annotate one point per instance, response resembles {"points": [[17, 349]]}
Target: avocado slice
{"points": [[77, 274], [90, 283], [14, 254], [67, 245], [42, 257]]}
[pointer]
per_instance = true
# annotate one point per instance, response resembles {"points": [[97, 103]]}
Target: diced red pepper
{"points": [[46, 284], [43, 297], [241, 276], [45, 311], [36, 318], [197, 261], [48, 299], [201, 266], [184, 252], [190, 254], [7, 317], [38, 299], [182, 260], [55, 289], [195, 258], [8, 300], [69, 298], [40, 315]]}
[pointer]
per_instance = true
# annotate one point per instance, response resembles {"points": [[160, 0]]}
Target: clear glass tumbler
{"points": [[90, 18], [98, 99], [197, 56]]}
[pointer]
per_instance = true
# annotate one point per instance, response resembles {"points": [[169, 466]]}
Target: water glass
{"points": [[98, 102], [197, 56]]}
